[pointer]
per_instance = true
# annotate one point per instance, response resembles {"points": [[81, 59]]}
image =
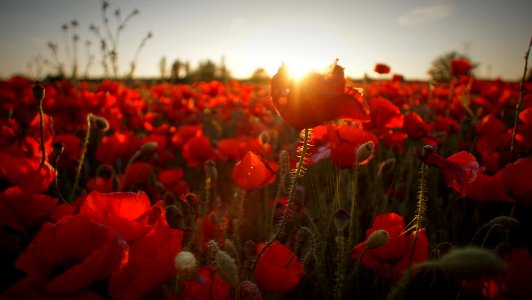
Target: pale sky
{"points": [[406, 35]]}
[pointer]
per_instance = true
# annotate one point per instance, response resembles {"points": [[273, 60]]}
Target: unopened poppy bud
{"points": [[386, 166], [185, 262], [304, 242], [471, 263], [249, 291], [101, 124], [229, 246], [425, 151], [377, 238], [227, 267], [250, 248], [149, 146], [365, 152], [310, 262], [341, 219], [507, 222], [38, 92], [210, 170], [58, 149]]}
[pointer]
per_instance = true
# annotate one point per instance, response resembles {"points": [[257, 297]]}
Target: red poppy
{"points": [[209, 286], [254, 171], [67, 257], [392, 258], [137, 174], [384, 115], [213, 227], [117, 146], [458, 169], [398, 78], [29, 289], [128, 213], [460, 66], [278, 269], [316, 98], [150, 265], [487, 188], [197, 150], [172, 179], [345, 140], [415, 126], [382, 68], [22, 171], [21, 209], [516, 178]]}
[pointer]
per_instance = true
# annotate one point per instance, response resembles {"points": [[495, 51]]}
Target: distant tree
{"points": [[176, 70], [162, 67], [440, 69], [260, 75]]}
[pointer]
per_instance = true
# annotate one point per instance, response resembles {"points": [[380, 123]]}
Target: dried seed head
{"points": [[227, 267], [249, 291], [101, 124], [365, 152], [471, 263], [377, 238], [38, 92], [185, 262], [341, 219]]}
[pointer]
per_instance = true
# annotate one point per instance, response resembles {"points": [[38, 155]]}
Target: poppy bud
{"points": [[304, 242], [185, 262], [58, 149], [310, 263], [365, 152], [386, 166], [210, 170], [504, 221], [471, 263], [101, 124], [229, 246], [426, 151], [341, 219], [149, 146], [377, 238], [38, 92], [227, 267], [249, 291]]}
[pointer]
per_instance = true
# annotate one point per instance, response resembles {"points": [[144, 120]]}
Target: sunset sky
{"points": [[406, 35]]}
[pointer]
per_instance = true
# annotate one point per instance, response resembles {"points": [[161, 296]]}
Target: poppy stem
{"points": [[38, 94], [81, 158], [420, 211], [353, 214], [520, 101], [291, 194]]}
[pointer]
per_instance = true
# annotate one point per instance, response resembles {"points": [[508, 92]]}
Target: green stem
{"points": [[520, 101], [353, 215], [420, 211], [41, 125], [81, 159], [291, 195]]}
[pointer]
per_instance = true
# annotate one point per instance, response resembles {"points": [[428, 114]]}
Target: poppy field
{"points": [[317, 188]]}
